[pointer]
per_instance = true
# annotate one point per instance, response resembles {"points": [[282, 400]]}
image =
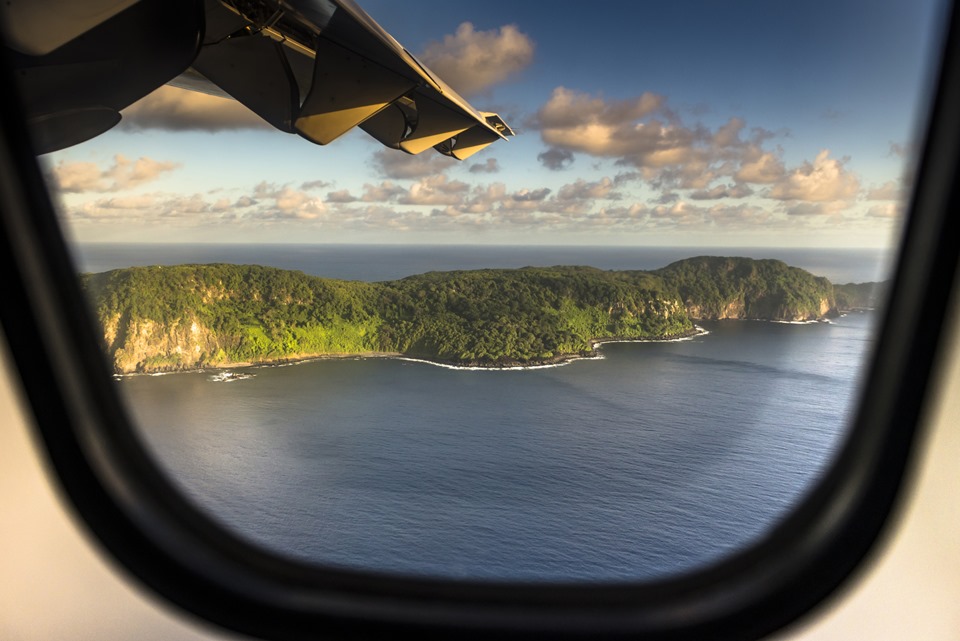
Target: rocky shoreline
{"points": [[500, 365]]}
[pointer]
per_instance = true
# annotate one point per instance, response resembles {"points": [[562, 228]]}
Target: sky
{"points": [[742, 123]]}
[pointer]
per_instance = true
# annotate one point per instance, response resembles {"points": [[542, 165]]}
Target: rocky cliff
{"points": [[716, 288]]}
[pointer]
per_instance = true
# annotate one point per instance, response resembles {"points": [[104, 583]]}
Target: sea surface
{"points": [[655, 459], [388, 262]]}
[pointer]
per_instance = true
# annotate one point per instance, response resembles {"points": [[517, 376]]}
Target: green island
{"points": [[170, 318]]}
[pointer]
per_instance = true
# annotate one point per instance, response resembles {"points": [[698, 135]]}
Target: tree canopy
{"points": [[189, 316]]}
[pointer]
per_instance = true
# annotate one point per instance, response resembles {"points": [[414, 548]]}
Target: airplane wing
{"points": [[315, 68]]}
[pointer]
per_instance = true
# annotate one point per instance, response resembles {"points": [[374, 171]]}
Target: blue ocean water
{"points": [[386, 262], [653, 460]]}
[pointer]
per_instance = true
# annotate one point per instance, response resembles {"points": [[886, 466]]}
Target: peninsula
{"points": [[169, 318]]}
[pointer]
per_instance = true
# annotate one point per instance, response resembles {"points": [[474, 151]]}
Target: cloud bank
{"points": [[123, 174], [473, 61]]}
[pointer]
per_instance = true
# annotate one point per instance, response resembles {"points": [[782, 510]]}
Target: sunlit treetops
{"points": [[191, 316]]}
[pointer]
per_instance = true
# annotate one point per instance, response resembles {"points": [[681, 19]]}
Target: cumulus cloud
{"points": [[531, 195], [283, 201], [804, 209], [438, 204], [391, 163], [885, 210], [823, 180], [644, 133], [315, 184], [571, 109], [667, 197], [384, 192], [144, 201], [472, 61], [760, 167], [556, 159], [738, 190], [435, 190], [583, 190], [576, 121], [341, 196], [158, 208], [889, 190], [679, 214], [489, 167], [174, 109], [79, 177]]}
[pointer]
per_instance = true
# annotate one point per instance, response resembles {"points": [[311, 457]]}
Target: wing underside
{"points": [[315, 68]]}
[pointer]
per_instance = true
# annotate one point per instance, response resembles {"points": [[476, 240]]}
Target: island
{"points": [[859, 297], [186, 317]]}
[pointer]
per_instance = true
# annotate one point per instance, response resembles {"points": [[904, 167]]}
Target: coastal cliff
{"points": [[716, 288], [193, 316]]}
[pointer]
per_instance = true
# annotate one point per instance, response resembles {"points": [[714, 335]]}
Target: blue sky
{"points": [[679, 123]]}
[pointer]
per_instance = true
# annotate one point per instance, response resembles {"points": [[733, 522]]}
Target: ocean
{"points": [[387, 262], [655, 459]]}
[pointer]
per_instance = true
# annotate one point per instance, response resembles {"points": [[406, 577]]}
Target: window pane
{"points": [[619, 345]]}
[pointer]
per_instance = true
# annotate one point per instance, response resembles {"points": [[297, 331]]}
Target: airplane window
{"points": [[621, 343]]}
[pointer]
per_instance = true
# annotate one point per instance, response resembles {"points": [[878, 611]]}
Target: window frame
{"points": [[159, 537]]}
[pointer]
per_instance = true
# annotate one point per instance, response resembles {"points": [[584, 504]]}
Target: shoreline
{"points": [[556, 361]]}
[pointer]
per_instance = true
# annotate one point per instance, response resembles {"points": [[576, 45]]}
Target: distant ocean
{"points": [[653, 460], [387, 262]]}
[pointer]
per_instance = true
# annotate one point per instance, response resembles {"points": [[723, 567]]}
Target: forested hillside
{"points": [[190, 316], [715, 287], [860, 295]]}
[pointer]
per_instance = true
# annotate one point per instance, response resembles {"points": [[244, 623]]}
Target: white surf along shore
{"points": [[228, 373]]}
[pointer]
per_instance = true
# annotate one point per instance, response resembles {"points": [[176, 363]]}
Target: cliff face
{"points": [[762, 309], [716, 288], [145, 345], [852, 296]]}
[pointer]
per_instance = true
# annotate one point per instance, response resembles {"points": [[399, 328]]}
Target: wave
{"points": [[596, 356], [227, 376], [505, 368], [700, 331]]}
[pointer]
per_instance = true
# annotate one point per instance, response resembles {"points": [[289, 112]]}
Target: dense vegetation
{"points": [[187, 316], [860, 295], [720, 287]]}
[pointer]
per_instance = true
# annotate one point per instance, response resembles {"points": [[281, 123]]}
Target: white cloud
{"points": [[80, 177], [576, 121], [340, 196], [889, 190], [530, 195], [271, 201], [384, 192], [583, 190], [825, 179], [760, 167], [472, 61], [391, 163], [885, 210], [815, 209], [738, 190], [488, 167], [435, 190], [643, 133]]}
